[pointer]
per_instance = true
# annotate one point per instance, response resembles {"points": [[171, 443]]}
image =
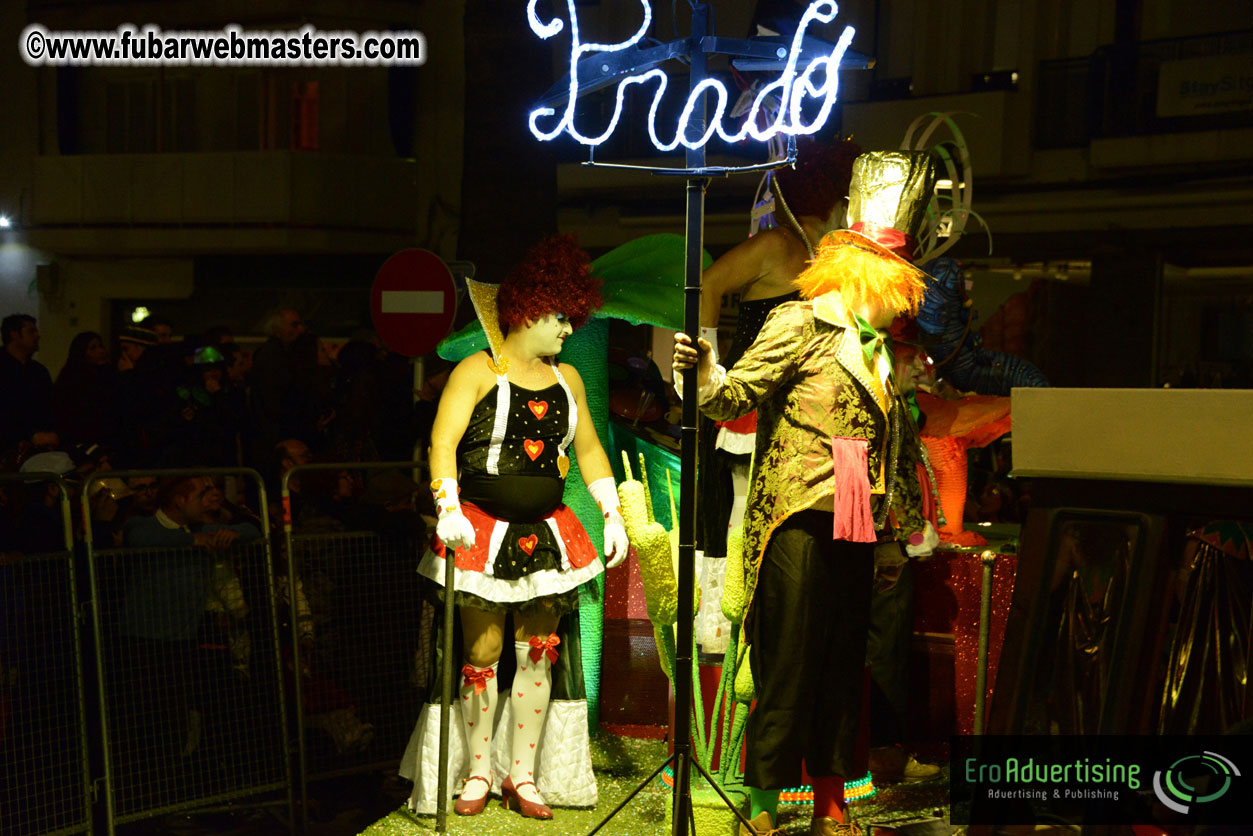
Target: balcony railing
{"points": [[1114, 92]]}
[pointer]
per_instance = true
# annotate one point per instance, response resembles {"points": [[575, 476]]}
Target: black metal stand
{"points": [[595, 72], [682, 816]]}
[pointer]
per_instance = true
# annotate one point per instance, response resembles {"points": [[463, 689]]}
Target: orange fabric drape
{"points": [[952, 428]]}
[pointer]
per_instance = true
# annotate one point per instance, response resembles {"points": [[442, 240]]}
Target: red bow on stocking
{"points": [[477, 677], [544, 647]]}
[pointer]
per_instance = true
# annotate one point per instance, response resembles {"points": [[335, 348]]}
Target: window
{"points": [[304, 116], [130, 123]]}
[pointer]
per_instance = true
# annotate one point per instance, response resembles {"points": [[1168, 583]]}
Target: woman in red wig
{"points": [[499, 457]]}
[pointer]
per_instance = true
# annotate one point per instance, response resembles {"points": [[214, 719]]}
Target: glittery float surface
{"points": [[621, 763]]}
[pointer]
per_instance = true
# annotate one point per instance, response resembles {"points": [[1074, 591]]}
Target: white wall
{"points": [[18, 141], [17, 274]]}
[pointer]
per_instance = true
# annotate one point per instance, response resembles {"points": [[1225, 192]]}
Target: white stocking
{"points": [[528, 701], [478, 712]]}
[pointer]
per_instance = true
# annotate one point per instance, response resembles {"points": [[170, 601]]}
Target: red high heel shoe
{"points": [[529, 809], [472, 808]]}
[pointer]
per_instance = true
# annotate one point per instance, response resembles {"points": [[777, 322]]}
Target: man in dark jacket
{"points": [[25, 386]]}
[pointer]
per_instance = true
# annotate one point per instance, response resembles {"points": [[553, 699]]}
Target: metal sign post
{"points": [[803, 61]]}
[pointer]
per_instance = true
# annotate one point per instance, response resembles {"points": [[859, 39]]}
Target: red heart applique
{"points": [[538, 408], [533, 448], [527, 544]]}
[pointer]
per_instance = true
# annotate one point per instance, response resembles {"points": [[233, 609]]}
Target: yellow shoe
{"points": [[891, 765], [762, 826], [916, 772], [827, 826]]}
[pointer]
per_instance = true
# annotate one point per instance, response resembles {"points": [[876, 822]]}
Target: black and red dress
{"points": [[528, 545], [529, 550]]}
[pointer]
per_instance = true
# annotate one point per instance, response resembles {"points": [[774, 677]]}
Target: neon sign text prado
{"points": [[817, 80]]}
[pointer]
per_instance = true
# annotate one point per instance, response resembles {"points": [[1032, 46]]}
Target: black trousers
{"points": [[887, 653], [810, 616]]}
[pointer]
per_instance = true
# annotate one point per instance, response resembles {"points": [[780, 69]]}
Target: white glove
{"points": [[616, 543], [605, 492], [927, 540], [453, 529]]}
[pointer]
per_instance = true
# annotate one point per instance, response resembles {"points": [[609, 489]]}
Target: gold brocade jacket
{"points": [[808, 380]]}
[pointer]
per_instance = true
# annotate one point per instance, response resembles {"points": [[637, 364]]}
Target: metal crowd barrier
{"points": [[45, 778], [190, 672], [358, 695]]}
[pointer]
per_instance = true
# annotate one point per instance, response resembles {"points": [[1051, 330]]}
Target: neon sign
{"points": [[817, 80]]}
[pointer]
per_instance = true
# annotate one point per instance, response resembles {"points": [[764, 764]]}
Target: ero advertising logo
{"points": [[1194, 779], [1101, 779]]}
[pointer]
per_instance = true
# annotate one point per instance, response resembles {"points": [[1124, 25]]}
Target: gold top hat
{"points": [[890, 190], [870, 261]]}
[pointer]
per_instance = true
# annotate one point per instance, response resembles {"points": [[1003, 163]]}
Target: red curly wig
{"points": [[555, 277], [821, 177]]}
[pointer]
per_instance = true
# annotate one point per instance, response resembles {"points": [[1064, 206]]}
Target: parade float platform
{"points": [[621, 763]]}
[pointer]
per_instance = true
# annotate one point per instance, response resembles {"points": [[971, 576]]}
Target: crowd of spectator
{"points": [[205, 399], [164, 401]]}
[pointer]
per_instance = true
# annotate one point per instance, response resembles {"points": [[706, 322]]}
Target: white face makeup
{"points": [[546, 336]]}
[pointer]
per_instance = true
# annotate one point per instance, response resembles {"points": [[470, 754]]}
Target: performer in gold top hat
{"points": [[835, 473]]}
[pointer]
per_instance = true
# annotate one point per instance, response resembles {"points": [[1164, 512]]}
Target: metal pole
{"points": [[293, 577], [97, 632], [445, 696], [695, 224], [297, 803], [77, 618], [988, 558], [419, 449]]}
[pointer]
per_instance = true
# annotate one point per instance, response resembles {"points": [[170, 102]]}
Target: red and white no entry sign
{"points": [[412, 302]]}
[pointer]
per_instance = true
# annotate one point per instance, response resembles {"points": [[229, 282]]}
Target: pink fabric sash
{"points": [[853, 520]]}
